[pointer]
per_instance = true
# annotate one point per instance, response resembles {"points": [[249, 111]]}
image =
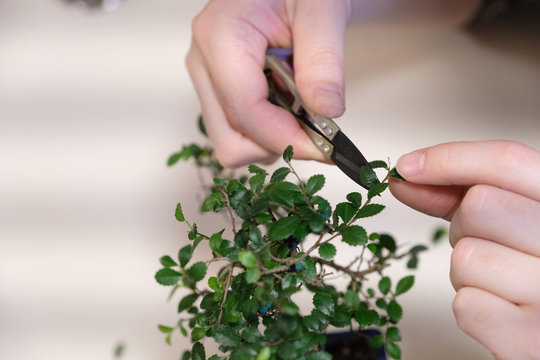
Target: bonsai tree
{"points": [[282, 238]]}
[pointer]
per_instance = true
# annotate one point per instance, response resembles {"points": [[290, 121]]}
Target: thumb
{"points": [[318, 32]]}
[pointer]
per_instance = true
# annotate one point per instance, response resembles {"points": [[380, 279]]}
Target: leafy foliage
{"points": [[283, 239]]}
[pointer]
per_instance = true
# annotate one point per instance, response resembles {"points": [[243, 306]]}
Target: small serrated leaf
{"points": [[197, 271], [404, 284], [283, 228], [184, 255], [393, 350], [377, 189], [187, 301], [394, 310], [385, 284], [280, 174], [167, 277], [368, 176], [197, 352], [327, 251], [247, 258], [167, 261], [346, 211], [288, 154], [314, 184], [178, 213], [369, 210], [253, 275], [394, 173], [376, 164], [354, 235], [165, 329]]}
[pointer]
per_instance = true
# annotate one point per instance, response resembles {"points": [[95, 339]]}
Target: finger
{"points": [[438, 201], [318, 33], [509, 165], [497, 269], [499, 325], [232, 148], [487, 212], [234, 61]]}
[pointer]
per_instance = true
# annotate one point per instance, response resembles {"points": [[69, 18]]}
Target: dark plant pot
{"points": [[353, 346]]}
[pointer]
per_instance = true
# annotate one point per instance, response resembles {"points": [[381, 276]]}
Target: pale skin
{"points": [[492, 199]]}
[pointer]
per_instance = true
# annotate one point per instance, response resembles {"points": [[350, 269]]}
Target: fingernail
{"points": [[329, 101], [411, 164]]}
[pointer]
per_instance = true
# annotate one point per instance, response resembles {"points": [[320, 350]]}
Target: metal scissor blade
{"points": [[348, 158]]}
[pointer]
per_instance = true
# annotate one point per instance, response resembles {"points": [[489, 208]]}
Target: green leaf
{"points": [[354, 235], [288, 154], [283, 193], [388, 242], [226, 336], [314, 184], [394, 311], [289, 308], [366, 318], [197, 271], [198, 333], [197, 352], [165, 329], [319, 355], [214, 202], [369, 210], [394, 173], [186, 355], [283, 228], [247, 258], [168, 276], [215, 241], [351, 299], [202, 128], [384, 285], [393, 334], [178, 213], [167, 261], [252, 335], [376, 189], [253, 275], [184, 255], [316, 321], [355, 198], [377, 341], [257, 181], [280, 174], [404, 284], [324, 303], [439, 234], [393, 350], [174, 158], [378, 164], [327, 251], [187, 301], [346, 211], [264, 354], [254, 169], [368, 176], [213, 283], [309, 268]]}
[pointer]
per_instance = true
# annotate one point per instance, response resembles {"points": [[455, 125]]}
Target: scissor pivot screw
{"points": [[324, 125], [330, 131], [320, 143], [326, 148]]}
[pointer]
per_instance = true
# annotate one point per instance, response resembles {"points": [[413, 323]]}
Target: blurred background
{"points": [[94, 97]]}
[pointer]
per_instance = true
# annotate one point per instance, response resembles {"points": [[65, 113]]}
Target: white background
{"points": [[92, 104]]}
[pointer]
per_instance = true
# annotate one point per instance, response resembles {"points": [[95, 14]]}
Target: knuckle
{"points": [[227, 158], [511, 155], [467, 311], [460, 259], [475, 201]]}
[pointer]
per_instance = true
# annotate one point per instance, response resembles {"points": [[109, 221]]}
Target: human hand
{"points": [[226, 59], [490, 191]]}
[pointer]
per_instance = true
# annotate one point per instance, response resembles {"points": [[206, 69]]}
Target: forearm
{"points": [[414, 13]]}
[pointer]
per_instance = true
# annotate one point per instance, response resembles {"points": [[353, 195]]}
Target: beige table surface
{"points": [[91, 105]]}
